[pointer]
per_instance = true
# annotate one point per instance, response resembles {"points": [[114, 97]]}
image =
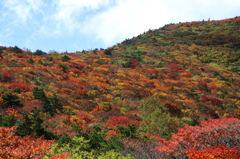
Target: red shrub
{"points": [[121, 120], [171, 76], [84, 117], [24, 64], [6, 77], [60, 156], [17, 147], [22, 86], [100, 108], [75, 70], [219, 152], [111, 133], [210, 134], [214, 101], [133, 62]]}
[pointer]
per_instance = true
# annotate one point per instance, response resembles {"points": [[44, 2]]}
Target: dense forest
{"points": [[172, 92]]}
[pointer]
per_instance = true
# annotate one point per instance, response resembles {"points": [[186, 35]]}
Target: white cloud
{"points": [[103, 21], [21, 12], [69, 15], [113, 19], [131, 17], [128, 18]]}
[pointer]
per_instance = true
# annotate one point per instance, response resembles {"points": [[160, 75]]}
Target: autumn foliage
{"points": [[178, 83], [209, 137], [17, 147], [220, 151]]}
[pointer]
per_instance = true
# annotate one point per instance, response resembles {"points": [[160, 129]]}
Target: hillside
{"points": [[130, 98]]}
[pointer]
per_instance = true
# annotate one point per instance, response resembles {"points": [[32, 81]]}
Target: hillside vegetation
{"points": [[172, 92]]}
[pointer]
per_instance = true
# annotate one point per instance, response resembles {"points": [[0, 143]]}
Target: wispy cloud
{"points": [[69, 16], [131, 17], [101, 21], [127, 18], [21, 12]]}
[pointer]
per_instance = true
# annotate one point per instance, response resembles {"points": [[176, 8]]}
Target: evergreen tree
{"points": [[39, 52], [37, 123], [1, 51], [55, 104], [16, 50], [8, 121], [25, 127], [51, 105], [40, 95], [32, 124], [108, 51], [11, 100], [66, 58], [64, 68], [31, 61]]}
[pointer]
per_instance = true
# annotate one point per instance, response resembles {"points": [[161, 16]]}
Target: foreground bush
{"points": [[12, 146], [80, 148], [217, 152], [209, 135]]}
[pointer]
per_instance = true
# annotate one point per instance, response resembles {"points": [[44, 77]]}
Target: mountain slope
{"points": [[145, 87]]}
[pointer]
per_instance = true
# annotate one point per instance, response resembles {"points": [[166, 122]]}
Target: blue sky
{"points": [[76, 25]]}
